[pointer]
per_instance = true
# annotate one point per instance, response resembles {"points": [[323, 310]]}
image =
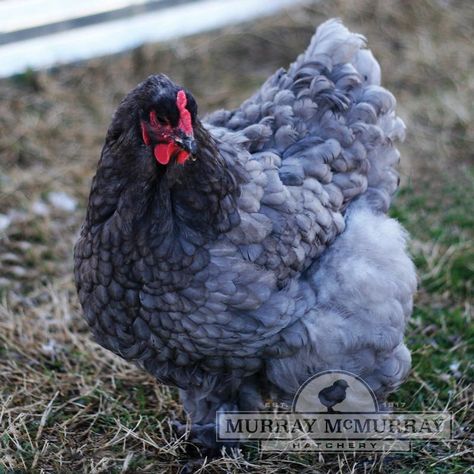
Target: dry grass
{"points": [[68, 405]]}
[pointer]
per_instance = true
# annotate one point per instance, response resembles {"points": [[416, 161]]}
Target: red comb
{"points": [[184, 116]]}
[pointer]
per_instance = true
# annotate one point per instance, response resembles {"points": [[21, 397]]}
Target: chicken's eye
{"points": [[157, 120]]}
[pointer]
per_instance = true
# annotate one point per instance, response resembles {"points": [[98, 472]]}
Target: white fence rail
{"points": [[38, 34]]}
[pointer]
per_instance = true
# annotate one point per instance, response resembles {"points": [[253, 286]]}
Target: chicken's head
{"points": [[160, 118], [166, 121]]}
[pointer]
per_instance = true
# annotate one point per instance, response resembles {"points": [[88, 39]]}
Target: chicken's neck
{"points": [[194, 202], [202, 194]]}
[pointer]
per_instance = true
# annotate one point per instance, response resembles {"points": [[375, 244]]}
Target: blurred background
{"points": [[65, 403]]}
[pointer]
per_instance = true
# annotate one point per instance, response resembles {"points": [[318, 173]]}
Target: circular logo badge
{"points": [[335, 391]]}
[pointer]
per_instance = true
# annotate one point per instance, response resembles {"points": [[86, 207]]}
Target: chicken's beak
{"points": [[187, 143]]}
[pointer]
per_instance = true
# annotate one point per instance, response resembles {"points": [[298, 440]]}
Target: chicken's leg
{"points": [[201, 432], [203, 405]]}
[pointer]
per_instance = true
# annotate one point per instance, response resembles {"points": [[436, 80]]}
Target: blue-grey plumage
{"points": [[270, 257]]}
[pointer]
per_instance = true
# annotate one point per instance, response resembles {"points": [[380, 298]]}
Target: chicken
{"points": [[236, 256], [333, 395]]}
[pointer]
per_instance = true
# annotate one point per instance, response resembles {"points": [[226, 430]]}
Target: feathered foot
{"points": [[202, 440]]}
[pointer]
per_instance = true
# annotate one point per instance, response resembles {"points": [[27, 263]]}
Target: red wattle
{"points": [[163, 152], [182, 157]]}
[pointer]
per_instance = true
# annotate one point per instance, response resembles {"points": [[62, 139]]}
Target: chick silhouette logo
{"points": [[333, 395], [334, 410], [335, 392]]}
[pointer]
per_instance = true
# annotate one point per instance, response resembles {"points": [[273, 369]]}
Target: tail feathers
{"points": [[368, 67], [332, 44], [331, 92]]}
